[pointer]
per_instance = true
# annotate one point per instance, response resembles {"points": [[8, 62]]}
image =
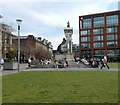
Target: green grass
{"points": [[61, 87], [0, 90], [114, 65]]}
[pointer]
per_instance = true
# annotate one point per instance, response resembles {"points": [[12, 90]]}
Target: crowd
{"points": [[61, 63], [95, 63]]}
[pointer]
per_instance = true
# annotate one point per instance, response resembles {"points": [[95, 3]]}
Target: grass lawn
{"points": [[61, 87], [114, 65]]}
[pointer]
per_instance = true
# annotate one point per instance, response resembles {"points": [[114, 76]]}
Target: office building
{"points": [[100, 35]]}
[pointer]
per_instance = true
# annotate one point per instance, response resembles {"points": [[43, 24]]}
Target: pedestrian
{"points": [[104, 62], [56, 64], [65, 63], [29, 62], [1, 62]]}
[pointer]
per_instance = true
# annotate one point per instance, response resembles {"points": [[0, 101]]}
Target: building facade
{"points": [[75, 49], [33, 47], [99, 34], [5, 39], [30, 46]]}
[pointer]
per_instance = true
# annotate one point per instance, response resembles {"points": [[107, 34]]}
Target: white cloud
{"points": [[49, 19]]}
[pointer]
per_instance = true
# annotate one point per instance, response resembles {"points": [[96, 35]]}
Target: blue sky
{"points": [[47, 19]]}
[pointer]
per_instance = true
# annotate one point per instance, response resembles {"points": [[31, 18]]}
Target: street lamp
{"points": [[18, 22]]}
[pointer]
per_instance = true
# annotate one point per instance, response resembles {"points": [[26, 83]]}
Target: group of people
{"points": [[61, 63], [42, 62], [96, 62]]}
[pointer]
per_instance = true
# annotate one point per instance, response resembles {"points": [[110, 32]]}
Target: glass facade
{"points": [[86, 54], [114, 51], [112, 37], [100, 34], [99, 52], [112, 20], [112, 30], [98, 31], [98, 45], [98, 21], [85, 32], [87, 23], [112, 43], [85, 39], [86, 45], [98, 38]]}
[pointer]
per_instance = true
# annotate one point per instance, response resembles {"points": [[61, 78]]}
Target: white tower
{"points": [[68, 34]]}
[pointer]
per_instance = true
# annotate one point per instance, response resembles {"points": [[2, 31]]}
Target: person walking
{"points": [[104, 62], [29, 62]]}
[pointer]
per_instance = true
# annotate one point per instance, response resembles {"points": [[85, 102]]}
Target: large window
{"points": [[85, 32], [112, 37], [98, 38], [99, 52], [98, 31], [98, 45], [113, 51], [112, 20], [86, 54], [112, 30], [85, 39], [87, 23], [86, 45], [98, 21], [111, 44]]}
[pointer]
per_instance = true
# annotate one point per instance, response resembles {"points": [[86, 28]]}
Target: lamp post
{"points": [[1, 36], [18, 23]]}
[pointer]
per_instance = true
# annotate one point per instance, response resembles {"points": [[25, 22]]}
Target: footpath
{"points": [[23, 68]]}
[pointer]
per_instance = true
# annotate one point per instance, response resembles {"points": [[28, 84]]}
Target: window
{"points": [[98, 45], [111, 44], [98, 31], [85, 32], [86, 45], [112, 37], [97, 38], [85, 39], [98, 21], [112, 20], [87, 23], [112, 30], [99, 52], [86, 54]]}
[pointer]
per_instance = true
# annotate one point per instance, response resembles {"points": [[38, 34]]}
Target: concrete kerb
{"points": [[5, 72]]}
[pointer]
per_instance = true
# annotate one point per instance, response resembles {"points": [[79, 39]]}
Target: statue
{"points": [[66, 45], [60, 48], [68, 24]]}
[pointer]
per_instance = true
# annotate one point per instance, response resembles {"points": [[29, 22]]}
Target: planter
{"points": [[10, 66]]}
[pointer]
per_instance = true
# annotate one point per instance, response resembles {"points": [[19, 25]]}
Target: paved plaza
{"points": [[23, 68]]}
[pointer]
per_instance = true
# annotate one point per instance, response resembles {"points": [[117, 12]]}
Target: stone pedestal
{"points": [[69, 57]]}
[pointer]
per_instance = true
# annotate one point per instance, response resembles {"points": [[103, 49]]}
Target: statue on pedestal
{"points": [[66, 45]]}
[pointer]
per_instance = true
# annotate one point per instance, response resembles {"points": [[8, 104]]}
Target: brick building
{"points": [[33, 47], [30, 46], [99, 34], [5, 39]]}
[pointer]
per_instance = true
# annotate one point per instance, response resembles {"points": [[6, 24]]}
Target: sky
{"points": [[47, 19]]}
